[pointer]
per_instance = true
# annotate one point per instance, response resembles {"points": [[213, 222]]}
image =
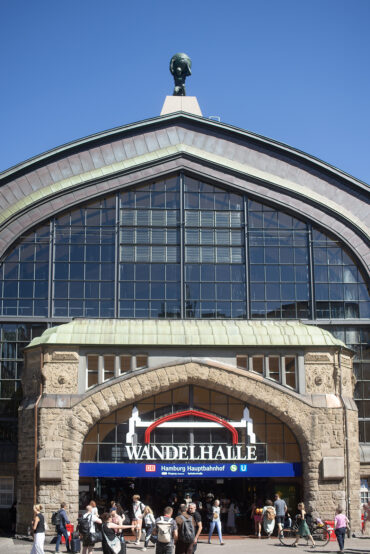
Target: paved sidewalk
{"points": [[232, 546]]}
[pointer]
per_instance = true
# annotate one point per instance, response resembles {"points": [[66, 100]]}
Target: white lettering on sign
{"points": [[184, 452]]}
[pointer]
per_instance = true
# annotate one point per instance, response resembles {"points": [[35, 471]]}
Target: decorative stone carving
{"points": [[317, 357], [319, 379], [60, 378], [64, 356]]}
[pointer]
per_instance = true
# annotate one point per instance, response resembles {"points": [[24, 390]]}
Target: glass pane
{"points": [[92, 378], [274, 365], [242, 362], [257, 364], [108, 367], [125, 363], [141, 361]]}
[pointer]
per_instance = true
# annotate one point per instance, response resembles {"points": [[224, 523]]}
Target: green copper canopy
{"points": [[186, 333]]}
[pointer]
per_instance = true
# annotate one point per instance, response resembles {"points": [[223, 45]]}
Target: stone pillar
{"points": [[26, 464]]}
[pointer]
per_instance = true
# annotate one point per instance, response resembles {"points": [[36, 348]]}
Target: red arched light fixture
{"points": [[195, 413]]}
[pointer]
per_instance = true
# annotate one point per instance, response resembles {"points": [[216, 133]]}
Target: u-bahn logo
{"points": [[193, 452]]}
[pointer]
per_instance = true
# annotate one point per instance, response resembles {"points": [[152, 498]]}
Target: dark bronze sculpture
{"points": [[180, 67]]}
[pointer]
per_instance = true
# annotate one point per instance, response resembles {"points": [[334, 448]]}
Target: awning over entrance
{"points": [[186, 332]]}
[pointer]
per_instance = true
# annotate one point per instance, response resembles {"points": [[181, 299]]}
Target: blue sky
{"points": [[293, 70]]}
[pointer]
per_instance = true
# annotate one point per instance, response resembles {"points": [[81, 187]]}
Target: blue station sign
{"points": [[189, 470]]}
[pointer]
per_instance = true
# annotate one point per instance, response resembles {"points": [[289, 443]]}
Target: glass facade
{"points": [[179, 248]]}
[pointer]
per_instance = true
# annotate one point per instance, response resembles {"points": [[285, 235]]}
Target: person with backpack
{"points": [[186, 531], [166, 532], [268, 517], [216, 522], [60, 520], [137, 510], [86, 528]]}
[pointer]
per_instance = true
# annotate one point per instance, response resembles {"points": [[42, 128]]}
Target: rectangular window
{"points": [[108, 367], [141, 361], [257, 364], [6, 492], [242, 362], [290, 371], [274, 363], [125, 363], [364, 491], [92, 370]]}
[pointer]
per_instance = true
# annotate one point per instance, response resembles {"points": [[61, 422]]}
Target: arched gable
{"points": [[127, 156]]}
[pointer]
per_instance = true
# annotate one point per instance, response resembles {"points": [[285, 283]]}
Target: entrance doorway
{"points": [[160, 492]]}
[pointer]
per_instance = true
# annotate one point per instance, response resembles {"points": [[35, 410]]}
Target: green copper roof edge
{"points": [[111, 169], [186, 332], [183, 115]]}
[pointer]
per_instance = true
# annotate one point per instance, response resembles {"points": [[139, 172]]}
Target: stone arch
{"points": [[284, 404], [311, 424], [247, 387]]}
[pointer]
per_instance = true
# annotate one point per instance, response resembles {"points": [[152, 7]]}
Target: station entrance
{"points": [[195, 441], [160, 492]]}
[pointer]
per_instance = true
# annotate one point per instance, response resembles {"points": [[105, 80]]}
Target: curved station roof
{"points": [[128, 332], [180, 141]]}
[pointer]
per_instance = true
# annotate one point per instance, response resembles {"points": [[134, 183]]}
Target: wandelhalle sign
{"points": [[187, 452], [186, 460]]}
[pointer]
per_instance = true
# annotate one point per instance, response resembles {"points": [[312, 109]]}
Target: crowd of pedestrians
{"points": [[177, 527]]}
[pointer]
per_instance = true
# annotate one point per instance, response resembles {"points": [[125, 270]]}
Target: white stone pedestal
{"points": [[188, 104]]}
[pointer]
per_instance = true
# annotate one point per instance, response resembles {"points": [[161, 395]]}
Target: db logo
{"points": [[149, 468]]}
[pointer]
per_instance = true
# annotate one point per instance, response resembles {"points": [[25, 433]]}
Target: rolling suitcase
{"points": [[75, 545]]}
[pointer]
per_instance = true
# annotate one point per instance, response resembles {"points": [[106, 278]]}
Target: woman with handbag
{"points": [[112, 544]]}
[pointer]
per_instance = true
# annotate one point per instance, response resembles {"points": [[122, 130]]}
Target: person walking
{"points": [[340, 527], [110, 531], [232, 512], [38, 530], [303, 529], [256, 515], [186, 531], [192, 510], [148, 523], [166, 532], [268, 517], [366, 508], [280, 509], [91, 518], [215, 522], [94, 508], [61, 527], [137, 510], [116, 518]]}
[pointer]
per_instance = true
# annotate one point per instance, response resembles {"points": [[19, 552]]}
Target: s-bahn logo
{"points": [[193, 452]]}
